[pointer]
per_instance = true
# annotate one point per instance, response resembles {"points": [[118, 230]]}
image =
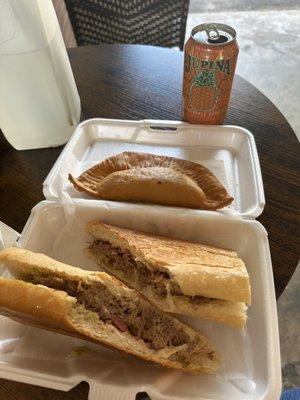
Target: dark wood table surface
{"points": [[137, 82]]}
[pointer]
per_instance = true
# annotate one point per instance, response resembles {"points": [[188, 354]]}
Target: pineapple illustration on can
{"points": [[203, 94], [209, 65]]}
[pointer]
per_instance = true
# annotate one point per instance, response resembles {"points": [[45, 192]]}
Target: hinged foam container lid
{"points": [[228, 151]]}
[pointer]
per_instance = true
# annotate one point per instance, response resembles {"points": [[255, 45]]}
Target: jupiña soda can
{"points": [[210, 56]]}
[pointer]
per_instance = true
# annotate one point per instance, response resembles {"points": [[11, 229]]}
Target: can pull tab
{"points": [[212, 32]]}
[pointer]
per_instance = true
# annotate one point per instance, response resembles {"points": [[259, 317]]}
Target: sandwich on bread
{"points": [[177, 276], [150, 178], [95, 306]]}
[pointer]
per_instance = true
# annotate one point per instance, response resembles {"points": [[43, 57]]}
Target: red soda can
{"points": [[210, 57]]}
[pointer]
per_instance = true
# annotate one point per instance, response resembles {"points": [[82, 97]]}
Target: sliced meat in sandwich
{"points": [[97, 307], [177, 276]]}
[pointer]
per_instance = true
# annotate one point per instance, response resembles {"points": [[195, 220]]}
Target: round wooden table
{"points": [[137, 82]]}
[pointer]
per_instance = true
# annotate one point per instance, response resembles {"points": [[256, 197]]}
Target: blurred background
{"points": [[268, 33]]}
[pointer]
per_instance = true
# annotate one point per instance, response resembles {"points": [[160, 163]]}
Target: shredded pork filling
{"points": [[121, 262], [142, 320]]}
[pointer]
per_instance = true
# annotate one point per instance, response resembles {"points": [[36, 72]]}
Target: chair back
{"points": [[154, 22]]}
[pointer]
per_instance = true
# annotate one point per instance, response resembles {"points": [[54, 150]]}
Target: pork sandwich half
{"points": [[97, 307], [177, 276]]}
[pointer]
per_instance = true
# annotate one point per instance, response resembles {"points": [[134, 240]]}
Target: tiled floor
{"points": [[289, 329], [199, 6], [269, 58]]}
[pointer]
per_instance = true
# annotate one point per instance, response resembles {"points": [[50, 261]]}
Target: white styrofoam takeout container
{"points": [[251, 361]]}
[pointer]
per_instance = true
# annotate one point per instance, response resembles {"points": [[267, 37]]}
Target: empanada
{"points": [[149, 178]]}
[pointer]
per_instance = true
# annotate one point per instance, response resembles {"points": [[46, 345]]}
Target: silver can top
{"points": [[213, 33]]}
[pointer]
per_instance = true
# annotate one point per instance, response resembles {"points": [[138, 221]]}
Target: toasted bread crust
{"points": [[144, 177], [198, 269], [225, 312], [37, 304], [20, 261]]}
